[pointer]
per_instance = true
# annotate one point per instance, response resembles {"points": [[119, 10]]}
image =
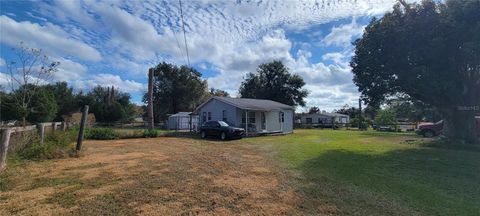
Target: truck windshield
{"points": [[223, 124]]}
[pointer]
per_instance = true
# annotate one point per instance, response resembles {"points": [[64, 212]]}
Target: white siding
{"points": [[216, 107], [288, 123], [234, 116]]}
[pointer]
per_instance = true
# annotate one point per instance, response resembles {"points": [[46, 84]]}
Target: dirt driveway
{"points": [[161, 176]]}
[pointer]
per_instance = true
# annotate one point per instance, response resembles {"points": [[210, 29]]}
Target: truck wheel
{"points": [[223, 136], [428, 134], [203, 135]]}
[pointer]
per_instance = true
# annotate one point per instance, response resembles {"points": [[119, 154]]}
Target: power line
{"points": [[179, 47], [184, 35]]}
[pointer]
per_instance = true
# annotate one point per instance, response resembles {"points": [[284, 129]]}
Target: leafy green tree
{"points": [[176, 89], [273, 81], [313, 110], [8, 109], [107, 104], [412, 110], [65, 99], [429, 52], [352, 112], [43, 106], [386, 117], [28, 67], [218, 92]]}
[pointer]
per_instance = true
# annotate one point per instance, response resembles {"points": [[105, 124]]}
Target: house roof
{"points": [[328, 114], [180, 114], [251, 104]]}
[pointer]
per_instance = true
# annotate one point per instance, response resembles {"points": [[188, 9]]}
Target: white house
{"points": [[255, 115], [324, 118]]}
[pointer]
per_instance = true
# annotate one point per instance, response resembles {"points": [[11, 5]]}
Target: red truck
{"points": [[435, 129]]}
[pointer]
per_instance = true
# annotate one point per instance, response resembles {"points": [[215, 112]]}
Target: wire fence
{"points": [[400, 127], [14, 139]]}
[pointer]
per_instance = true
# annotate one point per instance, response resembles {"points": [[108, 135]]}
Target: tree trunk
{"points": [[460, 125]]}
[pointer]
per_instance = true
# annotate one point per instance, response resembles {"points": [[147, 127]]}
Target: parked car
{"points": [[221, 130], [434, 129], [430, 129]]}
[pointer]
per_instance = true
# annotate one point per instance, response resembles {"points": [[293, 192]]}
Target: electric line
{"points": [[184, 35], [179, 47]]}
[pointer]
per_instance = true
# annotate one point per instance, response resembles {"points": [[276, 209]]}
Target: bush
{"points": [[129, 134], [150, 133], [354, 123], [57, 145], [101, 134]]}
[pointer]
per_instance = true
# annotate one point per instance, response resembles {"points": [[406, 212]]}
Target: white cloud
{"points": [[2, 62], [232, 37], [4, 81], [48, 37], [104, 79], [342, 35], [69, 70]]}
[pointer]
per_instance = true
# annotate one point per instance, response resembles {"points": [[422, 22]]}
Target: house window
{"points": [[309, 120], [281, 117], [224, 115], [251, 117], [209, 116], [204, 117]]}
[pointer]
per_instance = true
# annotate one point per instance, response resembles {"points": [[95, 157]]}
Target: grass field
{"points": [[310, 172], [371, 173]]}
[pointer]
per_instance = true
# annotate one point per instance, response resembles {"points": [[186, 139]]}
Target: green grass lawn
{"points": [[373, 173]]}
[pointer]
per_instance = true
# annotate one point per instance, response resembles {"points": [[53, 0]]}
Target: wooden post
{"points": [[150, 99], [64, 126], [41, 131], [82, 128], [54, 127], [4, 147]]}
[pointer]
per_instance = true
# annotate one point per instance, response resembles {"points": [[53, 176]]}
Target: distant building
{"points": [[324, 118]]}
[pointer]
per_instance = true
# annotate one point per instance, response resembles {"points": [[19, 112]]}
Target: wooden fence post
{"points": [[64, 126], [4, 147], [82, 128], [41, 131]]}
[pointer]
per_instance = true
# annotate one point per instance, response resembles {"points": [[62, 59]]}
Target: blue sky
{"points": [[115, 42]]}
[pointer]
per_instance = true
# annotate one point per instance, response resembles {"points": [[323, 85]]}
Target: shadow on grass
{"points": [[402, 182]]}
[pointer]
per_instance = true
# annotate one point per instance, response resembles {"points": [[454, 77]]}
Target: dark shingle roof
{"points": [[253, 104]]}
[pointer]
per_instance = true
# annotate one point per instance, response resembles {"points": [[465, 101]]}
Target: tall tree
{"points": [[386, 117], [108, 104], [29, 67], [65, 99], [352, 112], [176, 89], [428, 51], [313, 110], [273, 81], [43, 105], [218, 92]]}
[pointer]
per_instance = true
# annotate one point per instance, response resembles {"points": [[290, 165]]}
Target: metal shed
{"points": [[183, 121]]}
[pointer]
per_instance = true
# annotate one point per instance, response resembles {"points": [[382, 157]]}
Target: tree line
{"points": [[55, 102]]}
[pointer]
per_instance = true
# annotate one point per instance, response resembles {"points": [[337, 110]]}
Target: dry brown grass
{"points": [[161, 176]]}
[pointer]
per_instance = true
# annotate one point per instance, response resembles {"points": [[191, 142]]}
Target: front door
{"points": [[264, 121]]}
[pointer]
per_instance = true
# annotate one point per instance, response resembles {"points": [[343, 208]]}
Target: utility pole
{"points": [[360, 120], [150, 99]]}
